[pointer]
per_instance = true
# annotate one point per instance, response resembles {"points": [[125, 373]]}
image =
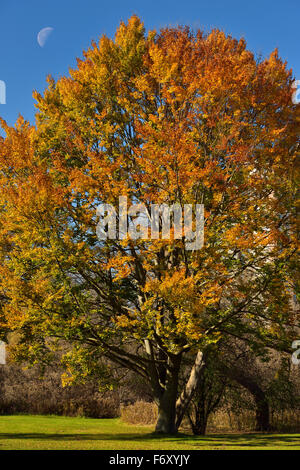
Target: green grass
{"points": [[53, 432]]}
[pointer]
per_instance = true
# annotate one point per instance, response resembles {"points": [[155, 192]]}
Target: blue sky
{"points": [[24, 65]]}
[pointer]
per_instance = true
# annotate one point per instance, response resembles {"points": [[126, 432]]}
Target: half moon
{"points": [[43, 35]]}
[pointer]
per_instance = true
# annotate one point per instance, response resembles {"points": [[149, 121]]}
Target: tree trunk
{"points": [[199, 423], [164, 385], [190, 388], [262, 413], [166, 422], [199, 427]]}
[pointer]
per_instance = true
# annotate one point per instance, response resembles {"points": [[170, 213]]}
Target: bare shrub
{"points": [[140, 412], [26, 391]]}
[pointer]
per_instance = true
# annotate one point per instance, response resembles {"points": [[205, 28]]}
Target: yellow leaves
{"points": [[217, 197], [133, 32], [126, 323], [188, 303], [173, 286], [17, 150], [67, 378]]}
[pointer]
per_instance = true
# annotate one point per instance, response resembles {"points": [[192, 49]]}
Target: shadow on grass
{"points": [[228, 440]]}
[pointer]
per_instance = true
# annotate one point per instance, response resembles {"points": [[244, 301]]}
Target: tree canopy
{"points": [[168, 117]]}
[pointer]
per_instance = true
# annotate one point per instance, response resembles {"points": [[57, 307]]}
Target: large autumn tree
{"points": [[173, 117]]}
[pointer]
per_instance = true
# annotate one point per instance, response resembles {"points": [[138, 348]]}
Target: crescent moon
{"points": [[43, 35]]}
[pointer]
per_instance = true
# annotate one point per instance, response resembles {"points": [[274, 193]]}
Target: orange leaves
{"points": [[16, 151], [121, 265]]}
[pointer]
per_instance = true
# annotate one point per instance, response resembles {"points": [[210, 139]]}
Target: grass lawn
{"points": [[53, 432]]}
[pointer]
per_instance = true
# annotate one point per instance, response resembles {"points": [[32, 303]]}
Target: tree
{"points": [[225, 365], [245, 379], [173, 117], [208, 395]]}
